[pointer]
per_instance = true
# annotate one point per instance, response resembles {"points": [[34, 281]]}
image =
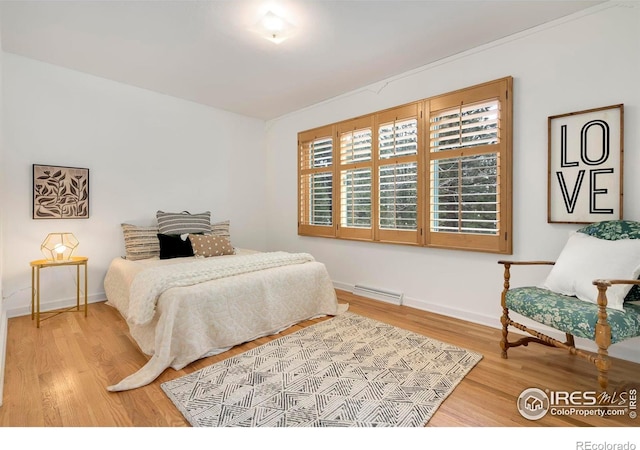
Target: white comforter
{"points": [[181, 318]]}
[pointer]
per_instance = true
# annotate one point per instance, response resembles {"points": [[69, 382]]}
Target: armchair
{"points": [[607, 312]]}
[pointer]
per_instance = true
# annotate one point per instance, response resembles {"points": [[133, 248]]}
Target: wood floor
{"points": [[56, 376]]}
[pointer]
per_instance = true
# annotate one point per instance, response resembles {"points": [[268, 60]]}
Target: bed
{"points": [[182, 309]]}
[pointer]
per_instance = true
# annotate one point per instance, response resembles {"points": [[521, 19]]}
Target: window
{"points": [[434, 173], [355, 169], [315, 191], [469, 159], [397, 175]]}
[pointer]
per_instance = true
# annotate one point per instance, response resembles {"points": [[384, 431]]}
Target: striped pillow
{"points": [[220, 229], [184, 222], [140, 242]]}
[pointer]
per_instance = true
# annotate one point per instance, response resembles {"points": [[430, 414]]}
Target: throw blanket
{"points": [[149, 284]]}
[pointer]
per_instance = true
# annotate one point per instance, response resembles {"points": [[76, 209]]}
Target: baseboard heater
{"points": [[378, 294]]}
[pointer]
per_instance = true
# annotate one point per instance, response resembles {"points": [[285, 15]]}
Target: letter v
{"points": [[570, 202]]}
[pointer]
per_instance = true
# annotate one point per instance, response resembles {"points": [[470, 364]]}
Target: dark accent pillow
{"points": [[172, 246]]}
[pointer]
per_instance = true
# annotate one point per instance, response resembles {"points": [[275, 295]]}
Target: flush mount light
{"points": [[274, 28]]}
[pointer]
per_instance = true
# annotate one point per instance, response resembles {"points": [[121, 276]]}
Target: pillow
{"points": [[173, 246], [220, 229], [183, 223], [613, 229], [585, 258], [140, 242], [207, 246]]}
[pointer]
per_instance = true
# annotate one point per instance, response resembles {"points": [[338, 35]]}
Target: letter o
{"points": [[584, 134]]}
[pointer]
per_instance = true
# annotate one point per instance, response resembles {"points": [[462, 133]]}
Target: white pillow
{"points": [[585, 258]]}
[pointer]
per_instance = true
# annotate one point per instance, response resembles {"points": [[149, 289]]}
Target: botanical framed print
{"points": [[60, 192], [585, 164]]}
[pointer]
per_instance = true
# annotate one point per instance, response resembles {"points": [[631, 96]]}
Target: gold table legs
{"points": [[36, 266]]}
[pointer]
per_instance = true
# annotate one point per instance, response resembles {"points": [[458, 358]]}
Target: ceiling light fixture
{"points": [[274, 28]]}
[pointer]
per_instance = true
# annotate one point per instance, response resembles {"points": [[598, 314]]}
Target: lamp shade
{"points": [[58, 247]]}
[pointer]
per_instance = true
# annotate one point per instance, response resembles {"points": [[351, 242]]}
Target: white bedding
{"points": [[194, 321]]}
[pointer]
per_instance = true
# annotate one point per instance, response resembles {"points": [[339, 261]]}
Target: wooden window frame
{"points": [[304, 227], [343, 231], [501, 242], [397, 236]]}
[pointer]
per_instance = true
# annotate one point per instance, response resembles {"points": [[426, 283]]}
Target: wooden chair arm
{"points": [[608, 283], [507, 273], [603, 329], [522, 263]]}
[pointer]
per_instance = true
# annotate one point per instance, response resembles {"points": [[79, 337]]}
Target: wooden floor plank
{"points": [[57, 375]]}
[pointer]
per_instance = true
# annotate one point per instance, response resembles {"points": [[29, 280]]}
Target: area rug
{"points": [[348, 371]]}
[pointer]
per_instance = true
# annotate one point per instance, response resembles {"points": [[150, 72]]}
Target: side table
{"points": [[35, 286]]}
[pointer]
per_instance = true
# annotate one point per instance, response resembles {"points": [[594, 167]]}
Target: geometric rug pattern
{"points": [[347, 371]]}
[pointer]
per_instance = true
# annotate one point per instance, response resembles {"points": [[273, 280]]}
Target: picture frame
{"points": [[585, 165], [60, 192]]}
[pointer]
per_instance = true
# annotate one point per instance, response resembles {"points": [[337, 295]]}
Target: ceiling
{"points": [[205, 51]]}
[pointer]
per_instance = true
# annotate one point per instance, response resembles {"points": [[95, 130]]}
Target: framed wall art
{"points": [[60, 192], [585, 165]]}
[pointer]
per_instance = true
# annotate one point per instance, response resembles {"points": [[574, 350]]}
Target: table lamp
{"points": [[58, 247]]}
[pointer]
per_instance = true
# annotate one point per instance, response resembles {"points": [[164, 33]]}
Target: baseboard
{"points": [[624, 350], [57, 304], [343, 286]]}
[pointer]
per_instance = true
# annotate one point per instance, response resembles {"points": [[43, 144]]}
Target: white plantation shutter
{"points": [[356, 198], [465, 194], [465, 126], [355, 146], [321, 153], [398, 138], [320, 189], [399, 196]]}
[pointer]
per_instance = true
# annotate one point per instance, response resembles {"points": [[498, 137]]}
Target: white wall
{"points": [[588, 60], [145, 151], [3, 312]]}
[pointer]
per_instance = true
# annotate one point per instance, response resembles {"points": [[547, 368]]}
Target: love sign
{"points": [[585, 166]]}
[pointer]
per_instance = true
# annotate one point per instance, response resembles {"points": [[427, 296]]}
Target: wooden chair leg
{"points": [[602, 361], [603, 336], [570, 341], [603, 364], [504, 342]]}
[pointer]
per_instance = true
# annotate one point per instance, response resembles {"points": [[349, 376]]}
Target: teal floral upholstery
{"points": [[571, 315], [613, 230]]}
